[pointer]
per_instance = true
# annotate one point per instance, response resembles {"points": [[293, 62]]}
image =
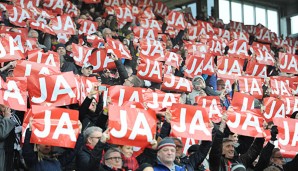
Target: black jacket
{"points": [[89, 118], [217, 162], [122, 75]]}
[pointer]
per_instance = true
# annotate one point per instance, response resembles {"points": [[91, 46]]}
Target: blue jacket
{"points": [[161, 167]]}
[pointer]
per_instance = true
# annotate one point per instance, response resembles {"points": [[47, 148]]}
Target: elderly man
{"points": [[66, 62], [166, 155], [91, 136]]}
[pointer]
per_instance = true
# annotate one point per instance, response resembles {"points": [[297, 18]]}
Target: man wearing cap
{"points": [[66, 62], [166, 155], [86, 69]]}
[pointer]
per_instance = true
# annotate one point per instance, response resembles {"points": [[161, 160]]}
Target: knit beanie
{"points": [[166, 142]]}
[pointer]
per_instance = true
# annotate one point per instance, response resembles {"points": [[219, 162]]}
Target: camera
{"points": [[102, 88]]}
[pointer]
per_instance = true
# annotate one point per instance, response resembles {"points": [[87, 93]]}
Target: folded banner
{"points": [[53, 90], [230, 66], [280, 86], [242, 102], [18, 15], [176, 19], [131, 126], [251, 85], [274, 108], [13, 93], [151, 24], [246, 124], [9, 49], [123, 13], [63, 24], [212, 106], [177, 84], [190, 121], [100, 60], [51, 124], [50, 58], [288, 63], [80, 54], [150, 70], [158, 100], [254, 68], [121, 94], [287, 133], [26, 68], [238, 48], [87, 27], [116, 46], [153, 49], [291, 104]]}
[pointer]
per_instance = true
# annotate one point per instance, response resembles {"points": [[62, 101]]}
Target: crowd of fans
{"points": [[226, 152]]}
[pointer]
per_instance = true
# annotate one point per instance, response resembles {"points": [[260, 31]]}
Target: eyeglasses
{"points": [[278, 157], [96, 137], [114, 158]]}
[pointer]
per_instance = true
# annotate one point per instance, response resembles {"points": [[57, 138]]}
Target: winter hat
{"points": [[59, 45], [238, 167], [166, 142]]}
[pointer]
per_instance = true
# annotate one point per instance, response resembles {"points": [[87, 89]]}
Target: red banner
{"points": [[242, 102], [26, 68], [173, 59], [176, 19], [150, 70], [245, 124], [80, 54], [63, 24], [240, 36], [251, 85], [215, 47], [264, 56], [87, 27], [122, 94], [142, 33], [193, 65], [116, 45], [54, 5], [50, 58], [54, 90], [274, 108], [18, 15], [92, 1], [230, 66], [9, 50], [263, 47], [291, 103], [238, 48], [263, 35], [131, 126], [42, 27], [50, 125], [177, 84], [288, 63], [253, 68], [237, 26], [13, 93], [153, 49], [287, 133], [123, 13], [280, 87], [158, 100], [194, 124], [100, 60], [85, 86], [151, 24], [212, 105], [160, 9]]}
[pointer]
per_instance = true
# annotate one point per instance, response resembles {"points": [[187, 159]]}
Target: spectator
{"points": [[86, 69], [166, 156], [91, 136], [129, 162], [134, 81], [6, 137], [145, 167]]}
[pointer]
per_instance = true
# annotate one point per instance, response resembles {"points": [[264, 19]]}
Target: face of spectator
{"points": [[99, 21], [201, 83], [169, 44], [108, 21], [234, 137], [127, 151], [277, 158], [108, 33], [33, 34], [94, 138], [61, 51], [167, 154], [128, 82], [44, 149], [179, 148], [228, 149], [83, 17], [87, 71], [114, 160], [69, 48], [92, 106]]}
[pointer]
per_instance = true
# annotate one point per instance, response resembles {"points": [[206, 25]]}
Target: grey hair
{"points": [[105, 30], [109, 151], [31, 31], [88, 131]]}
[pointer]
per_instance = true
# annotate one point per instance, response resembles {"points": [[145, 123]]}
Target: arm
{"points": [[68, 156], [28, 151], [216, 151], [198, 157], [84, 108], [292, 165], [264, 157], [6, 125], [121, 70], [253, 152], [165, 129]]}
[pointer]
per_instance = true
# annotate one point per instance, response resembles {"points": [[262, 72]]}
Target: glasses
{"points": [[278, 157], [114, 158], [96, 137]]}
